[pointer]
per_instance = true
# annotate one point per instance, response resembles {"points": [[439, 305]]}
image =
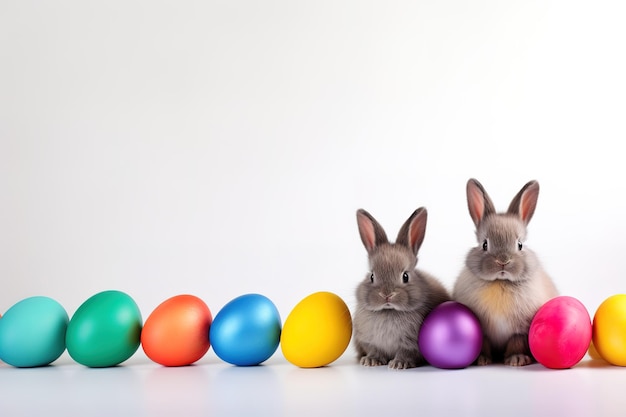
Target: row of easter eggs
{"points": [[107, 329]]}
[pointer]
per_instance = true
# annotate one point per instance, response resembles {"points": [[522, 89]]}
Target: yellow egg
{"points": [[609, 330], [317, 331]]}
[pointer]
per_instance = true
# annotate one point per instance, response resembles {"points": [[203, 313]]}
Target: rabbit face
{"points": [[391, 283], [500, 253]]}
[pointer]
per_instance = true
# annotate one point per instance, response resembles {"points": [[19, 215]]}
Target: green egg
{"points": [[105, 330]]}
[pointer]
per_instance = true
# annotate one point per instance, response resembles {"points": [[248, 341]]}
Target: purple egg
{"points": [[451, 336]]}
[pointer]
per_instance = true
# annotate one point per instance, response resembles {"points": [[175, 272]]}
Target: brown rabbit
{"points": [[394, 297], [503, 281]]}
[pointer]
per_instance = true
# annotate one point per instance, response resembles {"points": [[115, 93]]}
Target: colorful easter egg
{"points": [[450, 336], [176, 333], [32, 332], [105, 330], [246, 331], [609, 330], [560, 333], [317, 331]]}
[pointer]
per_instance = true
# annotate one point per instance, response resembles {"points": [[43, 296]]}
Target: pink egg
{"points": [[560, 333]]}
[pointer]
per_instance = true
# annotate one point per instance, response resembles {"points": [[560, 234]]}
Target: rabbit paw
{"points": [[371, 361], [401, 364], [518, 360], [483, 360]]}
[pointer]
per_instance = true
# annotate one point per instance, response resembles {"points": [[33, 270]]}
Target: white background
{"points": [[220, 148]]}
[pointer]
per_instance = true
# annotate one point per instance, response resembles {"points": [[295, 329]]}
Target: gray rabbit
{"points": [[503, 281], [394, 298]]}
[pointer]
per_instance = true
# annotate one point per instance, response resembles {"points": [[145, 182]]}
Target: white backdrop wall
{"points": [[222, 147]]}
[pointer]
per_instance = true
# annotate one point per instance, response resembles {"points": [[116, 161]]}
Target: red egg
{"points": [[176, 333], [560, 333]]}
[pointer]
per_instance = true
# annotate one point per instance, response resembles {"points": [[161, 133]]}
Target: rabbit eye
{"points": [[485, 245], [519, 245], [405, 277], [372, 278]]}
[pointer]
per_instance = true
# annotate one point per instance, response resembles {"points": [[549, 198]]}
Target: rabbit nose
{"points": [[387, 297], [503, 262]]}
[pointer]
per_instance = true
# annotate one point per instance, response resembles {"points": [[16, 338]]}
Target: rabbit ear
{"points": [[372, 234], [478, 201], [524, 203], [413, 230]]}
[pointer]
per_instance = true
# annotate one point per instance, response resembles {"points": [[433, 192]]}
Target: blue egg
{"points": [[32, 332], [246, 331]]}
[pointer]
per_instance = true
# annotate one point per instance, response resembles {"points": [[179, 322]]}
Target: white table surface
{"points": [[140, 387]]}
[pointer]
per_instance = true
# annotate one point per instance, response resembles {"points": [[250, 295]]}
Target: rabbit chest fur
{"points": [[504, 308], [386, 332]]}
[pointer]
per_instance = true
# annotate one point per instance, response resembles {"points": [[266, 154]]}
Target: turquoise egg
{"points": [[246, 331], [32, 332], [105, 330]]}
